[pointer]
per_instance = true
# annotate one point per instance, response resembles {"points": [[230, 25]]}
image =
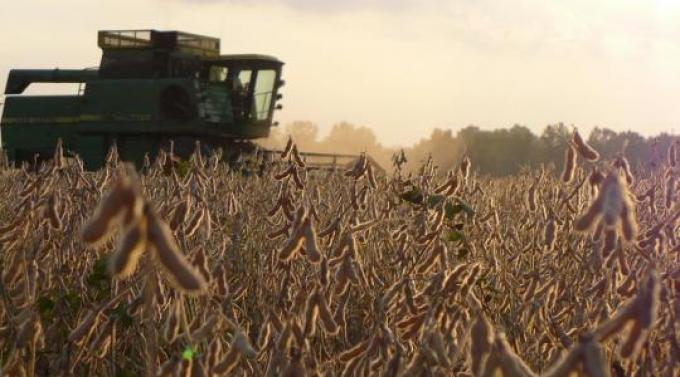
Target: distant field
{"points": [[200, 270]]}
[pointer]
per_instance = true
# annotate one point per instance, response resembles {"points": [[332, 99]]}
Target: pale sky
{"points": [[405, 67]]}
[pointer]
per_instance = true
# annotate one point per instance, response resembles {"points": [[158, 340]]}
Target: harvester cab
{"points": [[151, 88]]}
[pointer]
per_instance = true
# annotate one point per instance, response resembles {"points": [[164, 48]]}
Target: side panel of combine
{"points": [[32, 124], [136, 115], [120, 106]]}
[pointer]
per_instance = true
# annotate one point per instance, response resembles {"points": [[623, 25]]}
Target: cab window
{"points": [[244, 79], [218, 74], [264, 91]]}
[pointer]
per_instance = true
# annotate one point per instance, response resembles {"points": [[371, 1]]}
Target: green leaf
{"points": [[434, 200], [466, 207], [413, 196], [98, 279], [99, 271], [73, 300], [188, 353], [45, 306], [183, 168], [455, 236], [121, 315], [450, 210]]}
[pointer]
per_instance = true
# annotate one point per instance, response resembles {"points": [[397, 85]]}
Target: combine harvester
{"points": [[153, 89]]}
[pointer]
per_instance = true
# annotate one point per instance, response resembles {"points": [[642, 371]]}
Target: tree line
{"points": [[498, 152]]}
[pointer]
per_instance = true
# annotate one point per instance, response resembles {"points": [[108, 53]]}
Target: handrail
{"points": [[187, 42], [114, 40]]}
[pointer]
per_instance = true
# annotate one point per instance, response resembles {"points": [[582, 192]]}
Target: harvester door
{"points": [[241, 92], [264, 91]]}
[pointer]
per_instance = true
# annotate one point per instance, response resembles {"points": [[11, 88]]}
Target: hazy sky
{"points": [[404, 67]]}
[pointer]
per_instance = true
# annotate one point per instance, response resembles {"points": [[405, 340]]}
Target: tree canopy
{"points": [[498, 152]]}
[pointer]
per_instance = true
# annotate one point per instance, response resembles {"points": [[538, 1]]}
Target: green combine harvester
{"points": [[153, 89]]}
